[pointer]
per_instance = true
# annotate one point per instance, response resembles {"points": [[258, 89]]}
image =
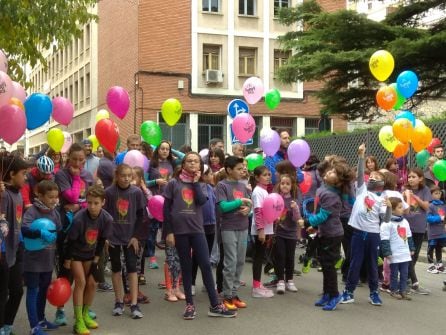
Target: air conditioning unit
{"points": [[214, 76]]}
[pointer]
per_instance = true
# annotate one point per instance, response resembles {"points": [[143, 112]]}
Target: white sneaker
{"points": [[432, 269], [280, 288], [193, 290], [262, 292], [290, 286]]}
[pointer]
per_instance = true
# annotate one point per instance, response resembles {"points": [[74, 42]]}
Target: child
{"points": [[397, 245], [234, 206], [85, 243], [185, 196], [126, 204], [216, 159], [11, 287], [39, 264], [367, 215], [287, 233], [261, 231], [327, 219], [436, 232]]}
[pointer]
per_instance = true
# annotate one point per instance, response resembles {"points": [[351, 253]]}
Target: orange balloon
{"points": [[401, 150], [421, 137], [17, 102], [386, 97], [402, 130]]}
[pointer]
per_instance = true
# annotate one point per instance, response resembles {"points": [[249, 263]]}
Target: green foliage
{"points": [[27, 27], [335, 48]]}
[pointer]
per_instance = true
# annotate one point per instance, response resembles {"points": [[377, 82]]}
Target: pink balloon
{"points": [[146, 164], [5, 88], [134, 158], [118, 101], [63, 110], [272, 207], [298, 152], [155, 205], [269, 141], [18, 91], [13, 116], [68, 141], [3, 62], [253, 90], [244, 127]]}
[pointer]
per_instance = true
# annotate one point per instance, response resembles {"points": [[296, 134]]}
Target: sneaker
{"points": [[432, 269], [280, 289], [189, 312], [61, 319], [262, 292], [136, 312], [229, 304], [153, 264], [90, 323], [396, 295], [193, 290], [380, 261], [420, 290], [142, 280], [272, 283], [105, 287], [46, 325], [289, 285], [441, 268], [323, 300], [119, 309], [238, 302], [405, 296], [375, 299], [384, 288], [306, 266], [221, 311], [332, 303], [347, 297], [7, 329], [79, 328], [35, 331]]}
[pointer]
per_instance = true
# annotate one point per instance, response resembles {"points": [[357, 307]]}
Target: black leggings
{"points": [[129, 255], [219, 271], [417, 241], [259, 256], [438, 253], [284, 249], [210, 243]]}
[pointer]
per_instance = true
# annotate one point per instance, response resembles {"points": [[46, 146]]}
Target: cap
{"points": [[87, 141]]}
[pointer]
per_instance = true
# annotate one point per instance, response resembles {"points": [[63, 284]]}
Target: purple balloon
{"points": [[298, 152], [269, 141], [146, 164], [118, 101], [134, 158]]}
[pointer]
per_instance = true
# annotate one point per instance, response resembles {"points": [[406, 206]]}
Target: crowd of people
{"points": [[212, 214]]}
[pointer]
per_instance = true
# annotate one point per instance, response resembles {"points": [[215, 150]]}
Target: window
{"points": [[211, 57], [212, 6], [283, 123], [280, 59], [176, 135], [247, 61], [87, 37], [278, 4], [311, 126], [247, 7], [209, 127], [87, 88], [81, 92]]}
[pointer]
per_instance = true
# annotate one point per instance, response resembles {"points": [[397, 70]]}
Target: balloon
{"points": [[421, 137], [151, 133], [419, 123], [38, 108], [402, 129], [94, 142], [381, 64], [305, 185], [254, 160], [63, 110], [134, 158], [102, 114], [68, 141], [253, 90], [107, 133], [244, 127], [298, 152], [386, 138], [6, 88], [407, 83], [435, 141], [386, 97], [401, 150], [269, 141], [406, 115], [204, 153], [272, 98], [155, 205], [18, 91], [13, 123], [118, 101], [171, 111], [34, 244], [439, 169], [55, 139], [17, 102], [400, 100], [272, 207], [3, 62], [421, 158], [59, 292]]}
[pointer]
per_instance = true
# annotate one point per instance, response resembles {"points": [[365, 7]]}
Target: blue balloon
{"points": [[406, 115], [407, 83], [38, 108], [34, 244]]}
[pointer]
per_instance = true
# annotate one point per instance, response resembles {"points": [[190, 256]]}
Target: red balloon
{"points": [[59, 292], [107, 133], [435, 141], [305, 185]]}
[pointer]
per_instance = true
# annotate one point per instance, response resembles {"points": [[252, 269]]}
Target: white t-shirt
{"points": [[258, 196], [366, 210], [397, 233], [395, 194]]}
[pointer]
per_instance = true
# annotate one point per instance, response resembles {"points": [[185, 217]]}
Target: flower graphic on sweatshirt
{"points": [[283, 214], [82, 190], [237, 194], [91, 236], [123, 208], [369, 203], [441, 211], [18, 214], [402, 232], [188, 196], [164, 173], [414, 207]]}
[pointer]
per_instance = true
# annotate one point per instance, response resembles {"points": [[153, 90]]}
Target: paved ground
{"points": [[287, 314]]}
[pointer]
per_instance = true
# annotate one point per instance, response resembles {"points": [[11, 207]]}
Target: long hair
{"points": [[155, 161], [420, 174], [258, 171], [294, 187], [177, 171]]}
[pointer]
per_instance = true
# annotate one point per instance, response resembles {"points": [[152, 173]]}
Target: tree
{"points": [[28, 27], [335, 48]]}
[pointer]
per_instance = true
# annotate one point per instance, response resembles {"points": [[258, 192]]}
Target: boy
{"points": [[234, 206], [436, 232]]}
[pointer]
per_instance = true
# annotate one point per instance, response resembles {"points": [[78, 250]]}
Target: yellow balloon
{"points": [[171, 111], [94, 142], [102, 114], [381, 64], [403, 129], [55, 139], [386, 138]]}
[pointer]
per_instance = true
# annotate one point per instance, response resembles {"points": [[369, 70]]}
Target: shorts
{"points": [[129, 255], [437, 241]]}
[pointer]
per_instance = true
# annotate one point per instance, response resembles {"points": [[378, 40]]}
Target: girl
{"points": [[216, 159], [57, 159], [371, 164], [418, 196], [436, 232], [185, 196], [287, 233], [126, 204]]}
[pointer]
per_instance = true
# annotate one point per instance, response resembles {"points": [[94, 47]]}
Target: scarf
{"points": [[396, 218], [186, 176]]}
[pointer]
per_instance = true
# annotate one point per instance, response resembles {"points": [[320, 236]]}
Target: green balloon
{"points": [[400, 99], [439, 170], [151, 133], [254, 160], [272, 98], [421, 158]]}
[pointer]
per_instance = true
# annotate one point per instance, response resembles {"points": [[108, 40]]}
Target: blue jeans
{"points": [[151, 241], [37, 284], [364, 247], [403, 270]]}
